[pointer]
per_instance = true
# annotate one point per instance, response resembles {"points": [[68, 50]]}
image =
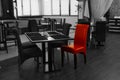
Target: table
{"points": [[46, 37]]}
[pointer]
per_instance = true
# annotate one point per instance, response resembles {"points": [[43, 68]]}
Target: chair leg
{"points": [[85, 58], [15, 42], [5, 44], [19, 63], [62, 57], [53, 58], [68, 57], [37, 58], [75, 61]]}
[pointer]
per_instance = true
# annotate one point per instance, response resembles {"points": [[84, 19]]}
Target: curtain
{"points": [[99, 8], [86, 10]]}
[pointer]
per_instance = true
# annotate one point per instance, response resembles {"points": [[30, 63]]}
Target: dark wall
{"points": [[7, 8]]}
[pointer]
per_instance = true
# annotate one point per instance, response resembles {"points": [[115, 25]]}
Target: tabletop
{"points": [[37, 37]]}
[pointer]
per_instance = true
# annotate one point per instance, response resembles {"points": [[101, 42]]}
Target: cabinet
{"points": [[114, 24]]}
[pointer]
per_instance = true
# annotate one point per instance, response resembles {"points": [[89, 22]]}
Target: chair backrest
{"points": [[32, 26], [2, 33], [100, 30], [22, 23], [66, 29], [19, 44], [81, 35]]}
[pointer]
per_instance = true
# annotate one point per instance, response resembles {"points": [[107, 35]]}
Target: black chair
{"points": [[65, 31], [9, 35], [3, 38], [44, 24], [58, 24], [23, 26], [32, 26], [9, 31], [28, 52], [100, 33]]}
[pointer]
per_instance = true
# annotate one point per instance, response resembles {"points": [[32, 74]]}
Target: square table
{"points": [[46, 37]]}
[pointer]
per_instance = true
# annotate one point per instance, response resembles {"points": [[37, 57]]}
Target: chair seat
{"points": [[73, 49], [28, 45], [29, 52]]}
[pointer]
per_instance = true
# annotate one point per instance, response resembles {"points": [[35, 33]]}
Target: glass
{"points": [[47, 7], [34, 7], [19, 7], [64, 7], [26, 7], [55, 7]]}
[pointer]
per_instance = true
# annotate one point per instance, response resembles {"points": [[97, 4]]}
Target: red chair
{"points": [[79, 46]]}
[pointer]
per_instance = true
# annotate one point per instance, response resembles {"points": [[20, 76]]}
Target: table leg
{"points": [[43, 51], [52, 67], [45, 63], [50, 57]]}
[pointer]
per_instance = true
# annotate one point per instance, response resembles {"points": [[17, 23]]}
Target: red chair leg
{"points": [[62, 57], [75, 61], [85, 58]]}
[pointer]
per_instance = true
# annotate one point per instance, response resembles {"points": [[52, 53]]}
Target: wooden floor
{"points": [[103, 63]]}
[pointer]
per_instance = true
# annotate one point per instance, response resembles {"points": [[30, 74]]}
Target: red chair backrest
{"points": [[81, 35]]}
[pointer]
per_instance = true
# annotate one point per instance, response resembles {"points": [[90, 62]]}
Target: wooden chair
{"points": [[79, 46]]}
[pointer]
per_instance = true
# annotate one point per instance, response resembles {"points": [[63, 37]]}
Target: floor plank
{"points": [[103, 63]]}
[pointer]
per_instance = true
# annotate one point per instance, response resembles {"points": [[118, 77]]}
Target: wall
{"points": [[0, 9], [115, 8]]}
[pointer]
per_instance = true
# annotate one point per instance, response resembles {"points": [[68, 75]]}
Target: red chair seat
{"points": [[73, 49]]}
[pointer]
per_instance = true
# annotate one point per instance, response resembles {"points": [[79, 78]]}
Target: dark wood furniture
{"points": [[46, 37], [26, 52], [3, 38]]}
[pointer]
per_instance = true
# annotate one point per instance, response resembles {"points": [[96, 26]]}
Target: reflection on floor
{"points": [[103, 63], [12, 52]]}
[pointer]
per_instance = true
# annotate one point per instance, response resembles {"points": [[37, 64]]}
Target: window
{"points": [[19, 7], [56, 7], [64, 7], [47, 7], [35, 7], [73, 7], [60, 7], [28, 7]]}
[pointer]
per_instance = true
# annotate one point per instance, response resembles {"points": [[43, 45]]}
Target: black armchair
{"points": [[32, 26], [27, 52]]}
